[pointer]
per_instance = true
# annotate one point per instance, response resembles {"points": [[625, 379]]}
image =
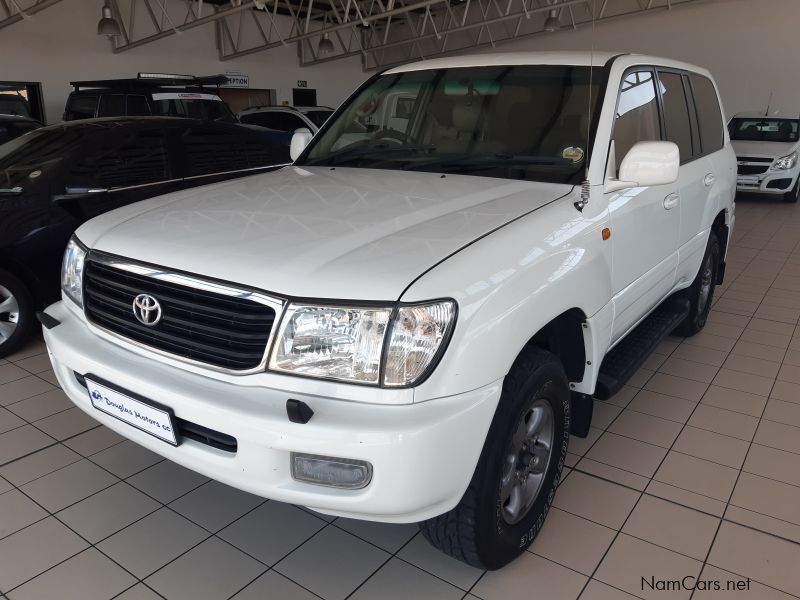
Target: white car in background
{"points": [[287, 118], [767, 154]]}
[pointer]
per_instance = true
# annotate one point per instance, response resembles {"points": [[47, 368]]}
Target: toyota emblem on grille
{"points": [[146, 309]]}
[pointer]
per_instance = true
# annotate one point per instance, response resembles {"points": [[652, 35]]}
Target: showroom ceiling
{"points": [[382, 32]]}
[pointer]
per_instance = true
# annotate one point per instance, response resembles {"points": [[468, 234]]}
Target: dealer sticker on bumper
{"points": [[146, 415]]}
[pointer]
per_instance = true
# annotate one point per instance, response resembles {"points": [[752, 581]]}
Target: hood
{"points": [[763, 149], [361, 234]]}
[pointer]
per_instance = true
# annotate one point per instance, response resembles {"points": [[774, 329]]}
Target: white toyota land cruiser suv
{"points": [[766, 151], [405, 324]]}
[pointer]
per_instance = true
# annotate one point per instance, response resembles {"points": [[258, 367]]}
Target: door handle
{"points": [[671, 201], [709, 179]]}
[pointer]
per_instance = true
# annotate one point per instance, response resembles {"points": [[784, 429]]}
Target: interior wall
{"points": [[749, 45], [60, 44]]}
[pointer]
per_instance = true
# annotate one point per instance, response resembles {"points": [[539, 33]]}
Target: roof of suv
{"points": [[301, 109]]}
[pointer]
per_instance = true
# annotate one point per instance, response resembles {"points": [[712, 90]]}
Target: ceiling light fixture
{"points": [[325, 45], [552, 23], [108, 25]]}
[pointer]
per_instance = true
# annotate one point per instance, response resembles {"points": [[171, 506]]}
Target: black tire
{"points": [[477, 531], [700, 302], [794, 194], [22, 318]]}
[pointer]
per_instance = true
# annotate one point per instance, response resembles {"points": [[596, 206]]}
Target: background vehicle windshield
{"points": [[516, 122], [764, 130], [12, 104]]}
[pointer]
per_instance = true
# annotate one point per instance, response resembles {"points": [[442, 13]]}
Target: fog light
{"points": [[328, 470]]}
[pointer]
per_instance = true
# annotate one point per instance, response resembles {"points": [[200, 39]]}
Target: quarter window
{"points": [[637, 113], [708, 113], [676, 113]]}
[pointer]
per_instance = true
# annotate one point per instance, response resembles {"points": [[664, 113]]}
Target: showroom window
{"points": [[708, 112], [117, 162], [208, 151], [637, 113], [676, 113]]}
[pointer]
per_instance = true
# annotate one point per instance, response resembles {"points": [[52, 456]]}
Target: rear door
{"points": [[645, 221], [696, 173]]}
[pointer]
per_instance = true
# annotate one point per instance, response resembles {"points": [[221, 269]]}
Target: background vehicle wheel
{"points": [[520, 466], [794, 194], [16, 313], [701, 293]]}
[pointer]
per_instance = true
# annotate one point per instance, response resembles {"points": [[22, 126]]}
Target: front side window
{"points": [[764, 130], [516, 122], [709, 113], [24, 160], [637, 113], [676, 113]]}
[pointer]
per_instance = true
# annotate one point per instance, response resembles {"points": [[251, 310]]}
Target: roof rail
{"points": [[151, 80]]}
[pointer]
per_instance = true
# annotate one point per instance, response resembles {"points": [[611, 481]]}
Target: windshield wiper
{"points": [[362, 150], [487, 161]]}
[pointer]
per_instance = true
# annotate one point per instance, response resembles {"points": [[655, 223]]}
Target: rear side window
{"points": [[121, 160], [709, 114], [637, 113], [137, 106], [282, 121], [111, 105], [80, 107], [676, 113]]}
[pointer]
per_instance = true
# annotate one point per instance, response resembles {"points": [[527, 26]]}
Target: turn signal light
{"points": [[331, 471]]}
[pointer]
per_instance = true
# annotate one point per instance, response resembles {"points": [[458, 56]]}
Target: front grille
{"points": [[752, 169], [230, 332]]}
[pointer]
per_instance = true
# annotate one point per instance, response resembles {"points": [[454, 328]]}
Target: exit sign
{"points": [[302, 83]]}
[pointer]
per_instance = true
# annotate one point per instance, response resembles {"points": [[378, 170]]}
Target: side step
{"points": [[625, 358]]}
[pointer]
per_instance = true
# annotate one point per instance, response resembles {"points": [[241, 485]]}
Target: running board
{"points": [[625, 358]]}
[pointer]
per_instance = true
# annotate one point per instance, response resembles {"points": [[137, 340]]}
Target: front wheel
{"points": [[520, 466], [701, 293], [16, 313]]}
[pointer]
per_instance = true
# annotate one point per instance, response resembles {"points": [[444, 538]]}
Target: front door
{"points": [[645, 221]]}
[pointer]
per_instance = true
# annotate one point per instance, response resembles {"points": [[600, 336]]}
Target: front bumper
{"points": [[423, 454], [760, 184]]}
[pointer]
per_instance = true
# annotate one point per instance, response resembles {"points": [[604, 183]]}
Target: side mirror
{"points": [[300, 140], [647, 164]]}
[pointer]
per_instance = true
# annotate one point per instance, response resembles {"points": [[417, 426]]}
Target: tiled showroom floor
{"points": [[692, 470]]}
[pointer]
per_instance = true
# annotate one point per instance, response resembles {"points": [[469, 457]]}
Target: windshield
{"points": [[764, 130], [194, 108], [516, 122], [26, 158], [318, 117], [12, 104]]}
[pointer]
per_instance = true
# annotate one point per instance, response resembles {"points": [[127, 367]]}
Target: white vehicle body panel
{"points": [[513, 254]]}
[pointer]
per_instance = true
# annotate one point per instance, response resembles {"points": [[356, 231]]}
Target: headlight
{"points": [[785, 163], [347, 343], [72, 271], [417, 334]]}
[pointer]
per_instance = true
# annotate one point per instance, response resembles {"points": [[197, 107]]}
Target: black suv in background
{"points": [[150, 94], [55, 178]]}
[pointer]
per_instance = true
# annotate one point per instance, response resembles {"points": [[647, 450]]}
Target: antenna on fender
{"points": [[769, 103], [585, 184]]}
